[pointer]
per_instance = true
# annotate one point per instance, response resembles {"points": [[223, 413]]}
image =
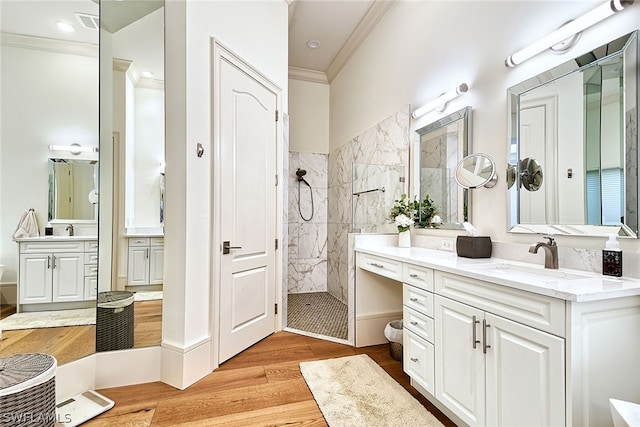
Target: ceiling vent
{"points": [[91, 22]]}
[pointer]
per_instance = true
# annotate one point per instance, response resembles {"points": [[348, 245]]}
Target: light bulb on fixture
{"points": [[73, 148], [567, 31], [441, 101]]}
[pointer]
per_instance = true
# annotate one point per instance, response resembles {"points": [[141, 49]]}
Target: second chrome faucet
{"points": [[550, 252]]}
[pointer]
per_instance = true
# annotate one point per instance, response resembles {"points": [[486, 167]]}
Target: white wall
{"points": [[308, 117], [421, 49], [47, 98], [257, 32]]}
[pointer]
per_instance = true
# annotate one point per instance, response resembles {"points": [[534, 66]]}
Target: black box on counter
{"points": [[473, 246]]}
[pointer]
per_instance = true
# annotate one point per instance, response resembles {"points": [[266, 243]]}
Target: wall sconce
{"points": [[567, 31], [74, 148], [440, 103]]}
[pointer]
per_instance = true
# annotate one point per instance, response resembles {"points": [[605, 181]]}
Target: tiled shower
{"points": [[317, 249]]}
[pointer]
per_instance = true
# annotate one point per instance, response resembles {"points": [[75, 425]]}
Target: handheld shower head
{"points": [[300, 173]]}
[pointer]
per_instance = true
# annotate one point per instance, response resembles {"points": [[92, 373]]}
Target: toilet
{"points": [[625, 414]]}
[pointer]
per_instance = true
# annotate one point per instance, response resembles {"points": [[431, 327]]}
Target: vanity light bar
{"points": [[441, 100], [74, 148], [568, 30]]}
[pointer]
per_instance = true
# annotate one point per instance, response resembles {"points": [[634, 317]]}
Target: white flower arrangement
{"points": [[436, 219], [403, 222]]}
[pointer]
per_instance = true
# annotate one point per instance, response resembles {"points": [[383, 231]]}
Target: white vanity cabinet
{"points": [[52, 271], [146, 261], [418, 325]]}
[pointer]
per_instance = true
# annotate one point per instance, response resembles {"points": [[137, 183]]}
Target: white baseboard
{"points": [[182, 367], [370, 328]]}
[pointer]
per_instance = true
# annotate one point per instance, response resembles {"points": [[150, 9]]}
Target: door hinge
{"points": [[276, 243], [277, 115], [276, 180], [276, 308]]}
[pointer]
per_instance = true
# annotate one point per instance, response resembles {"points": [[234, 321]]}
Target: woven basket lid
{"points": [[18, 369], [115, 299]]}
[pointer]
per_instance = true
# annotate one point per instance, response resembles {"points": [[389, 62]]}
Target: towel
{"points": [[28, 225]]}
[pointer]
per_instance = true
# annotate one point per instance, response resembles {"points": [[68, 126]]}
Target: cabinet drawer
{"points": [[418, 323], [139, 241], [418, 360], [91, 246], [416, 275], [538, 311], [51, 246], [380, 265], [157, 241], [90, 270], [91, 258], [417, 299]]}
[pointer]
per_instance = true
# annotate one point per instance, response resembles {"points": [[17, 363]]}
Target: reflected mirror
{"points": [[579, 123], [439, 148], [72, 190], [49, 98], [476, 171]]}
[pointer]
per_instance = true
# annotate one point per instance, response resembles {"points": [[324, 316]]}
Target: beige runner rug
{"points": [[354, 391]]}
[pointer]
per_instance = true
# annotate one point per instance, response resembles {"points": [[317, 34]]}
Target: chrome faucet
{"points": [[70, 229], [550, 252]]}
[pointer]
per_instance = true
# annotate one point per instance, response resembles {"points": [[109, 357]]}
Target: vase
{"points": [[404, 239]]}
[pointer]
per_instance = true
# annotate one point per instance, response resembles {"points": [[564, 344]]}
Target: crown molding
{"points": [[121, 64], [366, 25], [306, 75], [48, 45]]}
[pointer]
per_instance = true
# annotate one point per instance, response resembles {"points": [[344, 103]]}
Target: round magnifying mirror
{"points": [[475, 171]]}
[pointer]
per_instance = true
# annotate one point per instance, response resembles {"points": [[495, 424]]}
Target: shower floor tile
{"points": [[317, 312]]}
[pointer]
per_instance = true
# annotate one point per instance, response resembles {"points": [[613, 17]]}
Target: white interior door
{"points": [[247, 111]]}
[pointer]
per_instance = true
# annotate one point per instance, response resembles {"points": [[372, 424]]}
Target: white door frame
{"points": [[219, 53]]}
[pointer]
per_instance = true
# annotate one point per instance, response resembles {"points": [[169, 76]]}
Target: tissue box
{"points": [[473, 246]]}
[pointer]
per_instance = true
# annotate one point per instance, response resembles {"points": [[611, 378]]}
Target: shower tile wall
{"points": [[438, 158], [387, 143], [307, 239], [285, 219]]}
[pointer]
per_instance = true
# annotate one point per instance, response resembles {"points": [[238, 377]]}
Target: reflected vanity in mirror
{"points": [[441, 145], [73, 187], [573, 147], [476, 171]]}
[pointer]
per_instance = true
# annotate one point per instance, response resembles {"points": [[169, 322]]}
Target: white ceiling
{"points": [[339, 25]]}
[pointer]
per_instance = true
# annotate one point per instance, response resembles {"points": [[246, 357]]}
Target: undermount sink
{"points": [[539, 274]]}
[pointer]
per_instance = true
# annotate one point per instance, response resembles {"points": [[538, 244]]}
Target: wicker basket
{"points": [[395, 350], [28, 390], [114, 321]]}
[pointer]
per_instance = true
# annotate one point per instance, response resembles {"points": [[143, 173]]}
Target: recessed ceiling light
{"points": [[147, 74], [63, 26], [313, 44]]}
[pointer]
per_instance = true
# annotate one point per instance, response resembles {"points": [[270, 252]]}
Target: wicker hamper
{"points": [[28, 390], [114, 321]]}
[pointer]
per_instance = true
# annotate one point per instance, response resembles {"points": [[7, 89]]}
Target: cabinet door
{"points": [[91, 288], [524, 375], [418, 360], [156, 265], [35, 278], [68, 277], [459, 366], [138, 268]]}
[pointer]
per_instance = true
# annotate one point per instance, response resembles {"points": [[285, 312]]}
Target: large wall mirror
{"points": [[573, 147], [439, 148]]}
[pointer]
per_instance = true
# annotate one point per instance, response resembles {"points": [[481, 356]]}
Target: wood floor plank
{"points": [[261, 386], [142, 418]]}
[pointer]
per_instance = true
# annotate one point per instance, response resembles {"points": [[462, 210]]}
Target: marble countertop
{"points": [[55, 238], [566, 284]]}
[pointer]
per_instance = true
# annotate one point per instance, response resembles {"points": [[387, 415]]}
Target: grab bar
{"points": [[368, 191]]}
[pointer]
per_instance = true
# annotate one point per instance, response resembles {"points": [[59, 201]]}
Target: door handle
{"points": [[485, 346], [226, 248], [473, 328]]}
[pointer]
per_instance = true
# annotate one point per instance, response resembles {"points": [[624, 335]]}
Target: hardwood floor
{"points": [[70, 343], [259, 387]]}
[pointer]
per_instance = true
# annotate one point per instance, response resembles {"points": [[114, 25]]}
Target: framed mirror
{"points": [[476, 171], [577, 126], [437, 151], [73, 193]]}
